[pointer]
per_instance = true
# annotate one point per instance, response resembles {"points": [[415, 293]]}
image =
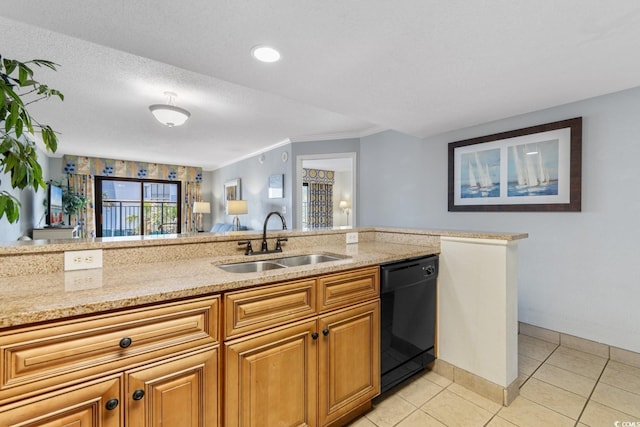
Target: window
{"points": [[130, 207]]}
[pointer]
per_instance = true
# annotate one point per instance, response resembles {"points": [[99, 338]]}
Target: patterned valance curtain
{"points": [[82, 170], [320, 196]]}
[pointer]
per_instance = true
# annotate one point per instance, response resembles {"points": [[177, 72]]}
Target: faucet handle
{"points": [[249, 250], [278, 245]]}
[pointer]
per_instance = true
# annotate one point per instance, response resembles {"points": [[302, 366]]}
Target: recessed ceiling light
{"points": [[265, 54]]}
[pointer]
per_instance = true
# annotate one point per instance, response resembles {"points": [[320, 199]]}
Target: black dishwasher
{"points": [[408, 321]]}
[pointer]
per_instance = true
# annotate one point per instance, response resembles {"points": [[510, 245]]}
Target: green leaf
{"points": [[9, 206], [18, 127], [10, 65], [49, 138]]}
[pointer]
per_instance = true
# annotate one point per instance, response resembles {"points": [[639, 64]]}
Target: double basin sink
{"points": [[275, 263]]}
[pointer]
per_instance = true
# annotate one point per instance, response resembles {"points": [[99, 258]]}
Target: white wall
{"points": [[578, 272], [254, 178], [342, 191], [32, 210]]}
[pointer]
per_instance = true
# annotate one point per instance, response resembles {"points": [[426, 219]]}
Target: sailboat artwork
{"points": [[533, 169], [481, 174]]}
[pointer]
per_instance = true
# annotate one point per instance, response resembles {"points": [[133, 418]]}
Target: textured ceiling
{"points": [[348, 68]]}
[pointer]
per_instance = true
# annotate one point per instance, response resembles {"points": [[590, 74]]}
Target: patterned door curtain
{"points": [[320, 197]]}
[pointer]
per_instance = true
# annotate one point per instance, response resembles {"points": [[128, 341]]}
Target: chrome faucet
{"points": [[265, 247]]}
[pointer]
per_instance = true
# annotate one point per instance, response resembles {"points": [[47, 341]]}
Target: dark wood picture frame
{"points": [[505, 159]]}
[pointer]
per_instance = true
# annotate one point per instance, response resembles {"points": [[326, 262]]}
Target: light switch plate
{"points": [[82, 260], [352, 237]]}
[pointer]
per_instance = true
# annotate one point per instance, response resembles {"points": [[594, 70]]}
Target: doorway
{"points": [[343, 200]]}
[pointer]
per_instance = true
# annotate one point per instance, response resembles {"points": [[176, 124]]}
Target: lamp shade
{"points": [[169, 115], [237, 207], [343, 204], [201, 207]]}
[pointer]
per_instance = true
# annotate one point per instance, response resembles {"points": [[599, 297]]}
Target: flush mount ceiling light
{"points": [[168, 114], [265, 54]]}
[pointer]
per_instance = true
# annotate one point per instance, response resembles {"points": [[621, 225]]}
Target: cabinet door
{"points": [[348, 360], [179, 392], [271, 378], [97, 404]]}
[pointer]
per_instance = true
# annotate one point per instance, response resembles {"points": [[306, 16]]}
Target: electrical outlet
{"points": [[80, 280], [82, 260], [352, 237]]}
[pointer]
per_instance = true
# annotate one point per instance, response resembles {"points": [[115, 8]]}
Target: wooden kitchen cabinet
{"points": [[73, 372], [271, 378], [97, 404], [349, 360], [180, 392], [316, 371]]}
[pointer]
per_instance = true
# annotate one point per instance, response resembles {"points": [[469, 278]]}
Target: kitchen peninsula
{"points": [[175, 279]]}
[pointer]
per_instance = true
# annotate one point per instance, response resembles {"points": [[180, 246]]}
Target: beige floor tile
{"points": [[535, 348], [578, 362], [419, 391], [452, 410], [522, 378], [598, 415], [567, 380], [475, 398], [622, 376], [618, 399], [500, 422], [362, 422], [420, 419], [525, 413], [552, 397], [390, 411], [436, 378], [527, 365]]}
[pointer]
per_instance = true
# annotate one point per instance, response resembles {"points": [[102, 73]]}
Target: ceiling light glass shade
{"points": [[169, 115], [237, 207], [265, 54], [202, 207]]}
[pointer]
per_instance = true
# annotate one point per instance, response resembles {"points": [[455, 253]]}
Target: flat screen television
{"points": [[55, 217]]}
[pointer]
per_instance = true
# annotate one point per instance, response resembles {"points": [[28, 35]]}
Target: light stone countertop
{"points": [[37, 298]]}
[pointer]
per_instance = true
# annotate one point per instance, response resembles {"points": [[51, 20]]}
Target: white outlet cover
{"points": [[352, 237], [82, 260]]}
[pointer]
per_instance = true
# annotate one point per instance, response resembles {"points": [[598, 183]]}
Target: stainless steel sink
{"points": [[295, 261], [275, 263], [250, 266]]}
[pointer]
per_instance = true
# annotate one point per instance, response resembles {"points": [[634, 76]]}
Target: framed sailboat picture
{"points": [[538, 168]]}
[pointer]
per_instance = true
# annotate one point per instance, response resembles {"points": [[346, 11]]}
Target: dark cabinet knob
{"points": [[325, 332], [125, 342], [138, 394], [111, 404], [314, 335]]}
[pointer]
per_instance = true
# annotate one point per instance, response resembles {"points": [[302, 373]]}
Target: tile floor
{"points": [[559, 386]]}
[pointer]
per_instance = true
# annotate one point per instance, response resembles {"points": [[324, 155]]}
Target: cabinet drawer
{"points": [[80, 405], [38, 359], [254, 310], [343, 289]]}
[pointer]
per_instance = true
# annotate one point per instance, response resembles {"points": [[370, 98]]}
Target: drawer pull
{"points": [[125, 342], [325, 332], [138, 394], [314, 335], [111, 404]]}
